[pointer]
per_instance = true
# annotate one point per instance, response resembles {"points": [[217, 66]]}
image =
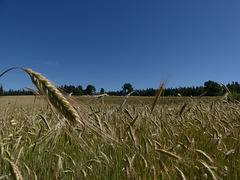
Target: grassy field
{"points": [[183, 138]]}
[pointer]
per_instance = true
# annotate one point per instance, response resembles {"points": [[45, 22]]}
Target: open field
{"points": [[183, 138]]}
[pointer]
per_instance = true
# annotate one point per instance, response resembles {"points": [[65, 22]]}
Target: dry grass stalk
{"points": [[36, 93], [83, 173], [133, 121], [105, 157], [98, 121], [144, 160], [19, 154], [153, 171], [130, 161], [208, 170], [182, 176], [101, 96], [182, 109], [226, 88], [168, 154], [187, 138], [53, 95], [132, 135], [157, 96], [204, 154], [125, 99], [128, 113], [27, 168], [45, 122], [165, 169], [35, 176], [17, 143]]}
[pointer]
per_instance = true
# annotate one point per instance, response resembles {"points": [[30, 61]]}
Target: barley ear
{"points": [[157, 96], [14, 170], [53, 95]]}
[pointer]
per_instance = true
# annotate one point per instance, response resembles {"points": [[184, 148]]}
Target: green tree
{"points": [[90, 90], [212, 88], [77, 90], [1, 90], [102, 91], [127, 88]]}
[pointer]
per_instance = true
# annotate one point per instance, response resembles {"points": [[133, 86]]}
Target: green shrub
{"points": [[234, 96]]}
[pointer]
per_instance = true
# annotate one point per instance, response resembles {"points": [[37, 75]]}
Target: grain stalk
{"points": [[125, 100], [157, 96], [226, 88], [210, 173], [203, 154], [53, 95], [181, 175], [167, 153]]}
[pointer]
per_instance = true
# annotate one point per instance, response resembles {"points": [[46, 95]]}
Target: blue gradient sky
{"points": [[107, 43]]}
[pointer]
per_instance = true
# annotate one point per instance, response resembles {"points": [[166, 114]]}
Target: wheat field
{"points": [[183, 138], [55, 136]]}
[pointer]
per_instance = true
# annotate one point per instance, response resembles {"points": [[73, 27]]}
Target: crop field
{"points": [[183, 138]]}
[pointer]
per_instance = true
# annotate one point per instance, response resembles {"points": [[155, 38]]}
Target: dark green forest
{"points": [[210, 88]]}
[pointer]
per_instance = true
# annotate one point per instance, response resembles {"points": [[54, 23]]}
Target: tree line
{"points": [[210, 88]]}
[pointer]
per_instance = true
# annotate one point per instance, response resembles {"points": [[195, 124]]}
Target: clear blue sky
{"points": [[107, 43]]}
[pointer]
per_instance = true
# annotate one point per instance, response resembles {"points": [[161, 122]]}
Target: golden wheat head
{"points": [[53, 95]]}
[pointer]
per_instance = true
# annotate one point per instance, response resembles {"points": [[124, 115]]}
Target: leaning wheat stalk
{"points": [[53, 95], [226, 88], [157, 96], [125, 99]]}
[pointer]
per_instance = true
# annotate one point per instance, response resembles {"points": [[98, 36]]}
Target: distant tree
{"points": [[234, 87], [212, 88], [72, 89], [102, 91], [79, 90], [150, 92], [1, 90], [127, 88], [69, 89], [90, 90], [200, 90]]}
